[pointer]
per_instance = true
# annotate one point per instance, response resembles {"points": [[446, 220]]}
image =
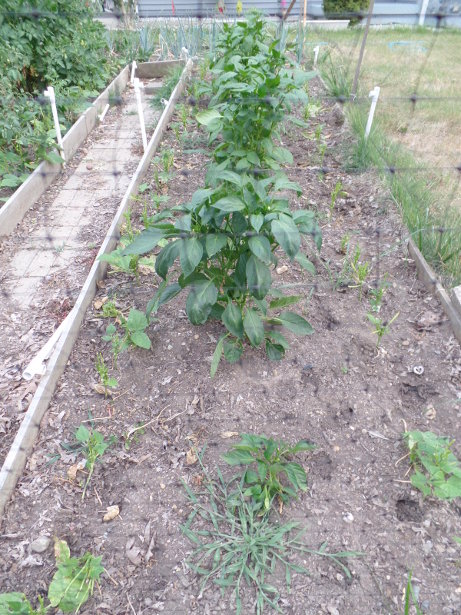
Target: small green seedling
{"points": [[176, 126], [345, 241], [322, 151], [74, 580], [106, 381], [335, 193], [109, 309], [271, 458], [411, 598], [117, 342], [135, 335], [358, 271], [93, 446], [133, 435], [311, 110], [377, 293], [72, 584], [135, 326], [184, 115], [167, 160], [382, 327], [360, 274], [437, 471]]}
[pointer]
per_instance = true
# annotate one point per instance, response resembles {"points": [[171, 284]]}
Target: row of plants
{"points": [[229, 237], [58, 43], [235, 524]]}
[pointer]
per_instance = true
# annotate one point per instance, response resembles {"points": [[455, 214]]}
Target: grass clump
{"points": [[236, 546], [168, 85], [433, 223]]}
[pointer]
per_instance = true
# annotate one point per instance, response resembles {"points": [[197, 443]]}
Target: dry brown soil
{"points": [[334, 388]]}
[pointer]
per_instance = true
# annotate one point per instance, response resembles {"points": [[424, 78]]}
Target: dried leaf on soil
{"points": [[229, 434], [191, 457], [112, 512], [76, 467]]}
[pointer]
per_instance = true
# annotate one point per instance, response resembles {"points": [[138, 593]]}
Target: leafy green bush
{"points": [[436, 469], [227, 237], [345, 9], [45, 42], [271, 459]]}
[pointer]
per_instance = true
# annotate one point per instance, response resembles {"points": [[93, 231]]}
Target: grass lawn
{"points": [[406, 62], [403, 62]]}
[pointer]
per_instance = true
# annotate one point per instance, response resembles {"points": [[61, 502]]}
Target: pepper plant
{"points": [[229, 237]]}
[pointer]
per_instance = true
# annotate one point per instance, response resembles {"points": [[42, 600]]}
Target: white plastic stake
{"points": [[133, 70], [422, 15], [104, 111], [374, 94], [49, 93], [316, 55], [137, 88], [37, 366], [184, 53]]}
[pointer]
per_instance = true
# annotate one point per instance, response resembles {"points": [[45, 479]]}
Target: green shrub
{"points": [[345, 9], [230, 235], [45, 42]]}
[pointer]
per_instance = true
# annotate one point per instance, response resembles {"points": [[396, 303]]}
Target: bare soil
{"points": [[334, 388]]}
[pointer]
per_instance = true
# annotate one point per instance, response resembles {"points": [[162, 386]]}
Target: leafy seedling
{"points": [[106, 381], [271, 458], [335, 193], [93, 446], [15, 603], [117, 343], [382, 327], [437, 471], [376, 294], [72, 585], [110, 310], [234, 546], [134, 327], [358, 271], [74, 580], [133, 435]]}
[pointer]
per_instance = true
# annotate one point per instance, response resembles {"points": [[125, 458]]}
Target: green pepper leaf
{"points": [[202, 297], [259, 277], [254, 327]]}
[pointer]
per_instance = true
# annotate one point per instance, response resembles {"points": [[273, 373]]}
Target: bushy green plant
{"points": [[271, 459], [437, 471], [238, 549], [45, 42], [345, 9], [228, 236]]}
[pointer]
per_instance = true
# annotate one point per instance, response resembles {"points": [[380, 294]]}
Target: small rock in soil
{"points": [[40, 544]]}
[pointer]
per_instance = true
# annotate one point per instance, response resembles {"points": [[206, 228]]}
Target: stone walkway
{"points": [[59, 239]]}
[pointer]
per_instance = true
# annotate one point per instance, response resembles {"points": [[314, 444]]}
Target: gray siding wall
{"points": [[162, 8], [385, 11]]}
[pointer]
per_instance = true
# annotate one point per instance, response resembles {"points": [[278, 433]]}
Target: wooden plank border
{"points": [[31, 190], [26, 436]]}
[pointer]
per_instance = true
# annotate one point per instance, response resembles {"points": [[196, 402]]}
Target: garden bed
{"points": [[334, 388]]}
